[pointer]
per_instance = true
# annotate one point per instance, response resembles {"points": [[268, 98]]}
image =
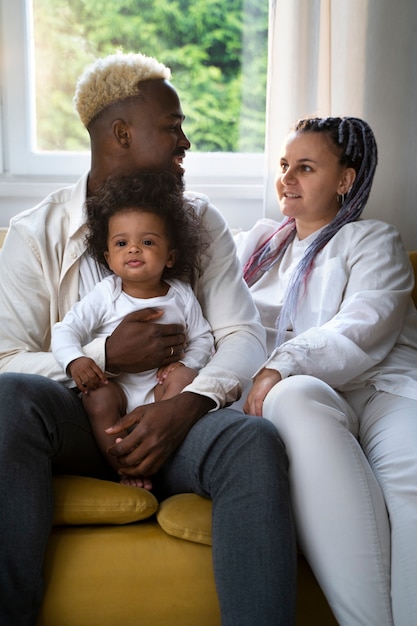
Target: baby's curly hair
{"points": [[161, 194]]}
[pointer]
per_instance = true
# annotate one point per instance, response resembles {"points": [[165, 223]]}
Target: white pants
{"points": [[364, 558]]}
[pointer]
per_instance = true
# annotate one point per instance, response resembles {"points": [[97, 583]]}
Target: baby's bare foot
{"points": [[137, 481]]}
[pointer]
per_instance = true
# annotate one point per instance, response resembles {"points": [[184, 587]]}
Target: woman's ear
{"points": [[121, 133], [347, 180]]}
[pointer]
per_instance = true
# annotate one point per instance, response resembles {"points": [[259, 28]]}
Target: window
{"points": [[217, 50], [325, 58]]}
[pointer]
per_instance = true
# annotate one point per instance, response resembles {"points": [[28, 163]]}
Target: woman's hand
{"points": [[263, 383]]}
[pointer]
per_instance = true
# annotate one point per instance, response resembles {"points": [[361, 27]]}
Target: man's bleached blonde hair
{"points": [[112, 79]]}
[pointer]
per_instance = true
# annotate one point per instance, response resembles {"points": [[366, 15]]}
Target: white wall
{"points": [[241, 204], [354, 58]]}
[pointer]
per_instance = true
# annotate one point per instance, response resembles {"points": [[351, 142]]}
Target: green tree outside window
{"points": [[216, 49]]}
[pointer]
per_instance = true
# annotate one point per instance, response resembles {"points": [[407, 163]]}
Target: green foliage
{"points": [[216, 49]]}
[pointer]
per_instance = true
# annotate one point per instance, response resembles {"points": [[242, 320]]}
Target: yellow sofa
{"points": [[117, 556], [102, 568]]}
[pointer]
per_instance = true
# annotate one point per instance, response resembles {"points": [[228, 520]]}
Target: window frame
{"points": [[19, 159]]}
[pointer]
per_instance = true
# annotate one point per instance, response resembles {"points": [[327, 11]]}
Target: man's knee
{"points": [[27, 396], [260, 437], [17, 385]]}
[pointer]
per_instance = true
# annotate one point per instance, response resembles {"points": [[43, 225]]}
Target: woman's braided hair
{"points": [[355, 143]]}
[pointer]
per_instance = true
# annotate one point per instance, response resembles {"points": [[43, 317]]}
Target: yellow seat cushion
{"points": [[84, 501], [186, 516], [80, 500], [132, 575]]}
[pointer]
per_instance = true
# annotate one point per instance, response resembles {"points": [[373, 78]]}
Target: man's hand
{"points": [[86, 374], [158, 430], [264, 381], [139, 344]]}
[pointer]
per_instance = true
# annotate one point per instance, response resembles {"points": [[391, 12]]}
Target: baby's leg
{"points": [[104, 406]]}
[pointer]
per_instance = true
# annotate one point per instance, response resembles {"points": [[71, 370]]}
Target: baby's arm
{"points": [[86, 374]]}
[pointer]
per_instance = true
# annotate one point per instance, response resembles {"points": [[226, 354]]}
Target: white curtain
{"points": [[349, 57]]}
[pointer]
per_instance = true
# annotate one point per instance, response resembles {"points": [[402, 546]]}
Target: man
{"points": [[134, 118]]}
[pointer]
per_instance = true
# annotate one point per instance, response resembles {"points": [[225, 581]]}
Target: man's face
{"points": [[158, 142]]}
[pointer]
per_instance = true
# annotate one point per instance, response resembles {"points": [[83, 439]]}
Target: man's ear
{"points": [[121, 133], [348, 178]]}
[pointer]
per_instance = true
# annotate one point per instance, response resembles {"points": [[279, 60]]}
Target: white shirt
{"points": [[40, 281], [355, 323], [101, 311]]}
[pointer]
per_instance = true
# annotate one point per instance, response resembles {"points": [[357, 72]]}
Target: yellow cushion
{"points": [[131, 575], [186, 516], [80, 500]]}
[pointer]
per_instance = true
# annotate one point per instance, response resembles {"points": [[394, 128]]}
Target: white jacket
{"points": [[39, 282], [356, 323]]}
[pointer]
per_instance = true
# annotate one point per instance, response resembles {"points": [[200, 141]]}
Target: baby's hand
{"points": [[172, 379], [86, 374], [163, 372]]}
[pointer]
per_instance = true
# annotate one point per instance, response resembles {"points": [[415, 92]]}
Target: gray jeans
{"points": [[237, 461]]}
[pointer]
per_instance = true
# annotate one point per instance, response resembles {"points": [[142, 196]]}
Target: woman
{"points": [[340, 383]]}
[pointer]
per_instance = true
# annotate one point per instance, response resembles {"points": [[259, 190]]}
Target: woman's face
{"points": [[309, 180]]}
